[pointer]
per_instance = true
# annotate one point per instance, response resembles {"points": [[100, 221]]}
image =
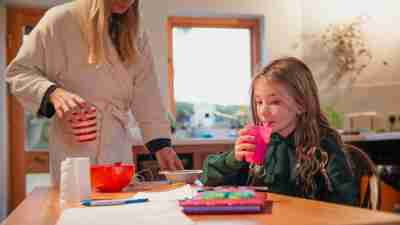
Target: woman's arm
{"points": [[149, 110], [46, 108], [147, 105], [31, 73]]}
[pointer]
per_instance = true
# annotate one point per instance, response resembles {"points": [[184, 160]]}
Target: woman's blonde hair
{"points": [[94, 18], [312, 124]]}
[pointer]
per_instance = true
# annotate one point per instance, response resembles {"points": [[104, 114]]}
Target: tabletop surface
{"points": [[41, 207]]}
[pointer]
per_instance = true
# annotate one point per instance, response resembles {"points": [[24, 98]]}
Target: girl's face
{"points": [[121, 6], [275, 106]]}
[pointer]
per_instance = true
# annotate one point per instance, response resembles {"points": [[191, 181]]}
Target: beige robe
{"points": [[55, 53]]}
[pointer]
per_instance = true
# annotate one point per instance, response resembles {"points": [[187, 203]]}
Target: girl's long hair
{"points": [[312, 124], [94, 21]]}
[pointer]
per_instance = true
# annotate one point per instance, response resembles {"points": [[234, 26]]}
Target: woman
{"points": [[93, 52]]}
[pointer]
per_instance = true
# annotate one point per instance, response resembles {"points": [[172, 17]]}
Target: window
{"points": [[210, 67]]}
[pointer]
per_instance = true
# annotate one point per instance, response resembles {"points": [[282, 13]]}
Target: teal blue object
{"points": [[206, 135], [208, 195], [235, 195], [89, 202], [213, 195], [247, 195]]}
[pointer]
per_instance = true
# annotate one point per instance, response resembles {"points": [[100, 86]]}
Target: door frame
{"points": [[17, 17]]}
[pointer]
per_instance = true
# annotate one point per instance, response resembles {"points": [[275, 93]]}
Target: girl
{"points": [[304, 157], [96, 52]]}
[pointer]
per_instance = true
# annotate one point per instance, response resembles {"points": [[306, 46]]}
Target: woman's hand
{"points": [[168, 159], [244, 145], [64, 101]]}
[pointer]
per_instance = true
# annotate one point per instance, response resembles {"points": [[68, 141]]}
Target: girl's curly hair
{"points": [[312, 124]]}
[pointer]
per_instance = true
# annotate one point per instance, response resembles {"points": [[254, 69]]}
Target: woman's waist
{"points": [[109, 119], [104, 112]]}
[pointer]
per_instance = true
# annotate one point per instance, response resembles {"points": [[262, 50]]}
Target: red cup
{"points": [[111, 177], [83, 122]]}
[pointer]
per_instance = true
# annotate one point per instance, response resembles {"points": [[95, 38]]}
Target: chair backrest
{"points": [[366, 175]]}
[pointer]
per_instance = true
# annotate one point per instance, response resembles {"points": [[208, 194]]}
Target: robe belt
{"points": [[121, 114]]}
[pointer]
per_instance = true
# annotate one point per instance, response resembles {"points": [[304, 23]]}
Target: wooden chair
{"points": [[367, 177]]}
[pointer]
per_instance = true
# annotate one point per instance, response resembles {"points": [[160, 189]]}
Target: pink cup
{"points": [[83, 122], [262, 136]]}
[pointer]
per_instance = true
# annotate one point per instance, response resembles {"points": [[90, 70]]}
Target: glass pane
{"points": [[37, 136], [212, 74], [34, 180]]}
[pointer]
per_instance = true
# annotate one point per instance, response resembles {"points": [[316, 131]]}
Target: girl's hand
{"points": [[64, 101], [244, 145]]}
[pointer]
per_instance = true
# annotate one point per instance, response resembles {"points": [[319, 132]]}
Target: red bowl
{"points": [[111, 177]]}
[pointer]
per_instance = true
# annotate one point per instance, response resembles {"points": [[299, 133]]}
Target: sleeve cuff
{"points": [[157, 144], [46, 107], [232, 163]]}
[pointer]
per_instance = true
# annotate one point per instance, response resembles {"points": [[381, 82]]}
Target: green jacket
{"points": [[278, 172]]}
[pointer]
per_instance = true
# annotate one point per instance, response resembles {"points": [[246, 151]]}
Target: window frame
{"points": [[252, 24]]}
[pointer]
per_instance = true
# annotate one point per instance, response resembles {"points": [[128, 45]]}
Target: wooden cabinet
{"points": [[198, 152]]}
